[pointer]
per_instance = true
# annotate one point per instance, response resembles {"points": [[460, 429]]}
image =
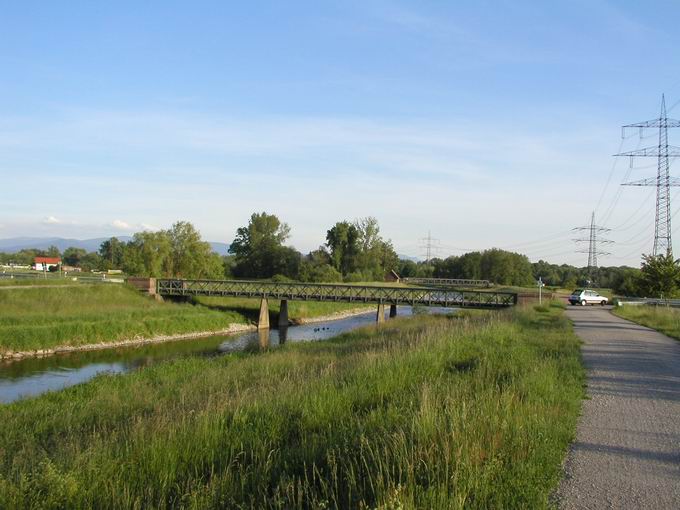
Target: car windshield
{"points": [[576, 292]]}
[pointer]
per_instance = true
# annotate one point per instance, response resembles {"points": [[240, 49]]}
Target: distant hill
{"points": [[221, 248], [16, 244]]}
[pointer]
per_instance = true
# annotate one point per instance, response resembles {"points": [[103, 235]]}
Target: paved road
{"points": [[627, 448]]}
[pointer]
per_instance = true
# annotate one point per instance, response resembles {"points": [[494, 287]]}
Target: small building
{"points": [[45, 263], [392, 276]]}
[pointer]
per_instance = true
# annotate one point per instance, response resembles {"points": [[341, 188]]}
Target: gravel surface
{"points": [[627, 448]]}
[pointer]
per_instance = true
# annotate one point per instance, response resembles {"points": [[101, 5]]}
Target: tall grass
{"points": [[430, 412], [666, 320], [44, 318]]}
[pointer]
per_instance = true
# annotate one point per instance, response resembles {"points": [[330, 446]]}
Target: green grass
{"points": [[472, 411], [665, 320], [13, 282], [44, 318]]}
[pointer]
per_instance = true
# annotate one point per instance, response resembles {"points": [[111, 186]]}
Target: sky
{"points": [[488, 124]]}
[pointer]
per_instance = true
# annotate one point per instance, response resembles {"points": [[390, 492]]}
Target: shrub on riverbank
{"points": [[431, 412]]}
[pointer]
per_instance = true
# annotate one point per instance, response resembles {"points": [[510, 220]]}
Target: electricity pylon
{"points": [[429, 246], [663, 244], [593, 240]]}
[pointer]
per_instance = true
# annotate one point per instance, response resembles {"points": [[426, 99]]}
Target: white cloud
{"points": [[51, 220], [146, 226], [121, 225]]}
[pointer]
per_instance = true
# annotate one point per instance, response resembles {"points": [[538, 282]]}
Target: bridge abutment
{"points": [[263, 321]]}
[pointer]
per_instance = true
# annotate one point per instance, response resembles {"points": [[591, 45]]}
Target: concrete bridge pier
{"points": [[283, 313], [393, 311], [263, 322], [380, 316]]}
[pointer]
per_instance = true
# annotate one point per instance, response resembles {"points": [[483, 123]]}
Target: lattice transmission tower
{"points": [[663, 182], [429, 245], [593, 241]]}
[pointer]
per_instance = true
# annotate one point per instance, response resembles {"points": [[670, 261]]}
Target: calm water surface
{"points": [[33, 376]]}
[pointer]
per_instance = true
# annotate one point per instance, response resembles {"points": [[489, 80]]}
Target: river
{"points": [[33, 376]]}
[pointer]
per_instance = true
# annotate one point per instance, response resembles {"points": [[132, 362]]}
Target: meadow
{"points": [[473, 410], [665, 320]]}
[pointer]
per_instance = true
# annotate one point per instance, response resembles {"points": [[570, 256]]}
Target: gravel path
{"points": [[627, 448]]}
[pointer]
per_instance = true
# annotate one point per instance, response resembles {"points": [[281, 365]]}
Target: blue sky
{"points": [[487, 123]]}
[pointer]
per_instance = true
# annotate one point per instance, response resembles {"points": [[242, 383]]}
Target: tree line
{"points": [[353, 251]]}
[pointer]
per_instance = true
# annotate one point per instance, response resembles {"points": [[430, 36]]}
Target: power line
{"points": [[621, 228], [663, 181], [592, 240], [429, 246]]}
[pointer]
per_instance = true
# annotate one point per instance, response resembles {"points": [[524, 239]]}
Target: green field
{"points": [[665, 320], [20, 282], [44, 318], [471, 410]]}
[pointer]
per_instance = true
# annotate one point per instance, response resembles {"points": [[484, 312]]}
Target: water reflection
{"points": [[33, 376]]}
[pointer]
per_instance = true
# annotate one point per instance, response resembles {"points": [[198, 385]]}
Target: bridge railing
{"points": [[337, 292], [447, 282]]}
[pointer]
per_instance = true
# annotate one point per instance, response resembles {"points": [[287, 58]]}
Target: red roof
{"points": [[47, 260]]}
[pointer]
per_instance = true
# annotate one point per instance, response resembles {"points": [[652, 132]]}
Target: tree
{"points": [[407, 268], [190, 256], [627, 282], [91, 261], [111, 252], [149, 254], [369, 232], [258, 247], [343, 242], [177, 252], [317, 267], [660, 275], [73, 256]]}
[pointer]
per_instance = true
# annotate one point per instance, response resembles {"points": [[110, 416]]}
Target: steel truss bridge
{"points": [[380, 295], [447, 282]]}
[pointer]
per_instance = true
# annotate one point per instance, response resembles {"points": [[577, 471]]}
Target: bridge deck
{"points": [[342, 293]]}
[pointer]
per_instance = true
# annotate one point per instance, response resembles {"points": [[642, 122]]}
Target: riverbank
{"points": [[130, 342], [663, 319], [42, 322], [470, 410]]}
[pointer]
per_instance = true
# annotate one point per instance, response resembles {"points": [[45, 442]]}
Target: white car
{"points": [[585, 297]]}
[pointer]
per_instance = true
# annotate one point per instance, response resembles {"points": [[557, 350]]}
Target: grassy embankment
{"points": [[665, 320], [22, 282], [474, 411], [32, 319]]}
